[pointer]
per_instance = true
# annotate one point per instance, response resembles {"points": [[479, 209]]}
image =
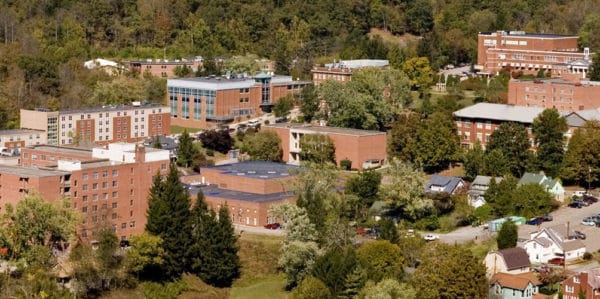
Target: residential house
{"points": [[554, 187], [446, 184], [515, 286], [551, 242], [587, 283], [476, 193], [511, 260]]}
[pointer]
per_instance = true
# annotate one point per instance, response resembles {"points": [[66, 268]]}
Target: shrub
{"points": [[345, 164], [153, 290], [587, 256], [210, 153], [267, 122]]}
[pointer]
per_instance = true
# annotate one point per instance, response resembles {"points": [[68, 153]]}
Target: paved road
{"points": [[259, 230]]}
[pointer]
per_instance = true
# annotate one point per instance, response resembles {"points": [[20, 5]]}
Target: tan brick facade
{"points": [[358, 146]]}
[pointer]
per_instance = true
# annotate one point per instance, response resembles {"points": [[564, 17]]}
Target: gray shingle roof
{"points": [[515, 258], [500, 112], [449, 183]]}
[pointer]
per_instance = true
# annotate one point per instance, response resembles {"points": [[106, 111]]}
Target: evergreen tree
{"points": [[508, 235], [185, 150], [222, 267], [156, 142], [333, 267], [389, 231], [511, 139], [594, 73], [549, 129], [354, 282], [203, 225], [474, 161], [169, 218]]}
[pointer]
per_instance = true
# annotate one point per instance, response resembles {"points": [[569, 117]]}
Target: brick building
{"points": [[108, 185], [363, 148], [527, 52], [163, 68], [247, 188], [556, 93], [103, 125], [477, 122], [206, 102], [19, 138], [342, 70], [587, 283]]}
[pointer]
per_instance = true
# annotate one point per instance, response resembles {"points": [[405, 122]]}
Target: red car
{"points": [[557, 261], [273, 226]]}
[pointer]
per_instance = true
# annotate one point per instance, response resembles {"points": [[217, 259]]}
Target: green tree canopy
{"points": [[317, 148], [436, 275], [185, 149], [283, 107], [582, 159], [381, 259], [508, 235], [512, 141], [264, 146], [403, 192], [549, 129], [437, 143]]}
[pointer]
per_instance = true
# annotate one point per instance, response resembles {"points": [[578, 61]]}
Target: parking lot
{"points": [[573, 216]]}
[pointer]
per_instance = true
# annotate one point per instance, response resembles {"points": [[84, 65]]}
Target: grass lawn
{"points": [[179, 130], [271, 286]]}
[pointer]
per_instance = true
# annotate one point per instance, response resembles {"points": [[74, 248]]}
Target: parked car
{"points": [[579, 235], [588, 221], [557, 261], [579, 193], [535, 221], [576, 204], [273, 225], [548, 217], [590, 199], [430, 237], [542, 269]]}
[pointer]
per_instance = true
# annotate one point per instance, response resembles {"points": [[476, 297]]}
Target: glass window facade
{"points": [[186, 94]]}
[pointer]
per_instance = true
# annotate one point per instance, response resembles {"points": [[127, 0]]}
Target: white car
{"points": [[430, 237], [588, 221]]}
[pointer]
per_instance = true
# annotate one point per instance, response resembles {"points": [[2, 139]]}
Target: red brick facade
{"points": [[554, 93], [579, 282], [525, 52]]}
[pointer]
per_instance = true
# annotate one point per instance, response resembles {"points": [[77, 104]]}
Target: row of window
{"points": [[467, 124], [18, 138], [115, 184], [84, 232]]}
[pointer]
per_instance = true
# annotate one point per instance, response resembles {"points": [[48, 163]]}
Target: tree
{"points": [[594, 73], [354, 283], [156, 142], [365, 185], [436, 144], [530, 200], [35, 222], [169, 218], [390, 288], [264, 146], [499, 196], [317, 148], [185, 149], [582, 159], [419, 71], [474, 161], [381, 259], [388, 230], [219, 141], [403, 192], [333, 267], [309, 103], [436, 275], [512, 141], [283, 107], [402, 136], [145, 255], [508, 235], [311, 288], [549, 129]]}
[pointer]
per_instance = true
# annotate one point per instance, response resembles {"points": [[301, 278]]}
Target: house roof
{"points": [[537, 178], [543, 241], [515, 281], [515, 258], [500, 112], [558, 235], [448, 182]]}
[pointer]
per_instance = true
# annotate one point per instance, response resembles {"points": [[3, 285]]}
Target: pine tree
{"points": [[354, 282], [185, 150], [222, 264], [508, 235], [203, 224], [169, 218]]}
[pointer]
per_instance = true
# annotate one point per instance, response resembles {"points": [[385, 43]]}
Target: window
{"points": [[95, 197], [123, 225], [114, 205], [95, 176], [576, 279], [570, 289], [115, 172], [479, 125], [132, 224], [113, 216], [104, 173], [84, 210], [85, 187], [104, 185], [84, 198], [115, 183], [94, 208], [488, 124], [95, 186], [105, 196], [115, 194]]}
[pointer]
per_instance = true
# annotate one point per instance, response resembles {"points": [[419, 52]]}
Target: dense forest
{"points": [[43, 43]]}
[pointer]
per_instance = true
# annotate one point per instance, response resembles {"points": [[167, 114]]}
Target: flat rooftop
{"points": [[30, 172], [256, 169], [83, 152], [358, 63], [107, 108], [501, 112], [19, 131], [325, 129], [532, 35], [212, 83], [214, 191], [559, 81]]}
